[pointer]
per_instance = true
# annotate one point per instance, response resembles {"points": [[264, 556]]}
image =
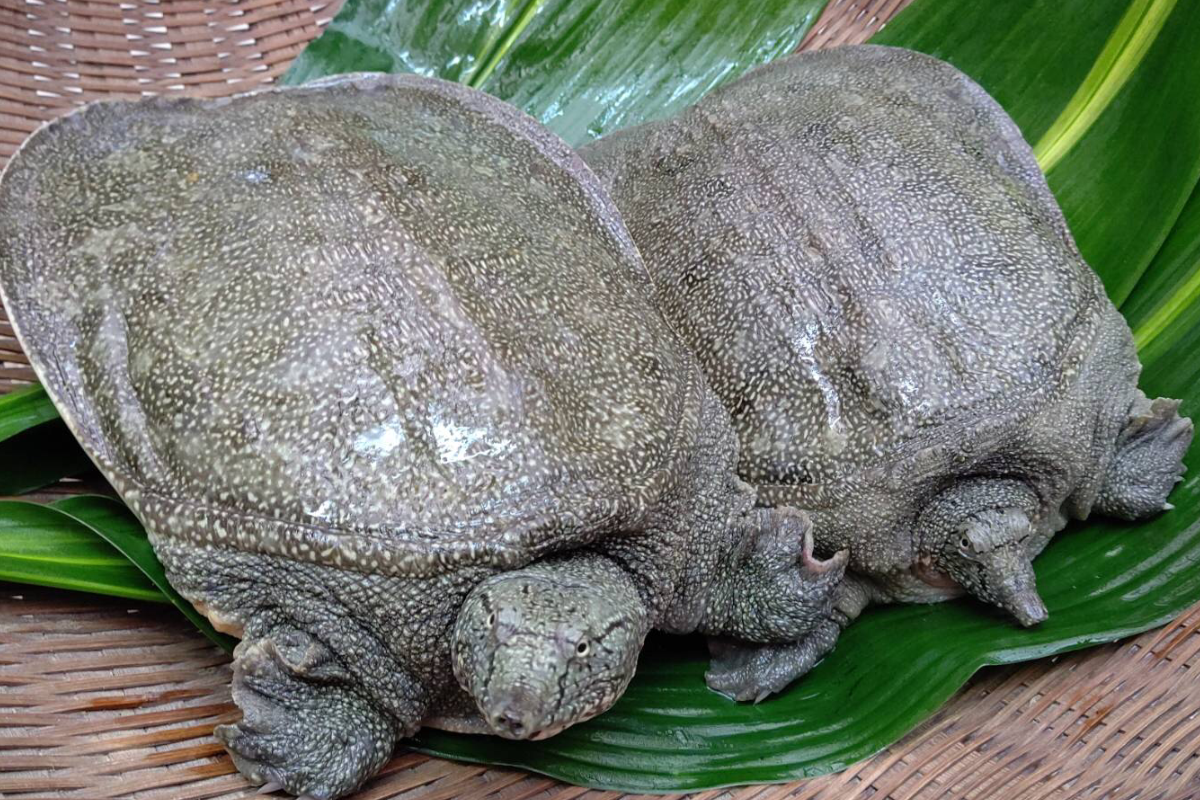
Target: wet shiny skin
{"points": [[347, 351], [861, 250]]}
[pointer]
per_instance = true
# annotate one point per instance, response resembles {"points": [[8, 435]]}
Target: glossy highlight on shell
{"points": [[364, 355], [864, 256]]}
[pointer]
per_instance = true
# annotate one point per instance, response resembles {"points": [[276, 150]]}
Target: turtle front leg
{"points": [[771, 588], [752, 672], [303, 727], [1148, 461], [324, 699]]}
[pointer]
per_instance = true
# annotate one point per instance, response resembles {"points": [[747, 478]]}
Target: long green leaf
{"points": [[584, 67], [1164, 312], [44, 546], [588, 67], [117, 525], [1170, 288], [1123, 52], [448, 40], [24, 409]]}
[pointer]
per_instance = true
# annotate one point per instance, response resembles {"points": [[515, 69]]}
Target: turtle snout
{"points": [[516, 714], [513, 723]]}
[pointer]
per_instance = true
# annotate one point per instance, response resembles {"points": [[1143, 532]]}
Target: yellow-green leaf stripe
{"points": [[1179, 300], [493, 58], [1122, 54]]}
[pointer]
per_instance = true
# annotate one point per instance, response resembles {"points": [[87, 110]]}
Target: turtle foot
{"points": [[1148, 461], [300, 730], [747, 672]]}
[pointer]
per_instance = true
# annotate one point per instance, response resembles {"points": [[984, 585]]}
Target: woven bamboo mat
{"points": [[103, 699], [99, 698]]}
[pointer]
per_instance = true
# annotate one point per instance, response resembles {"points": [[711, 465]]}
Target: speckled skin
{"points": [[350, 349], [860, 248], [544, 647]]}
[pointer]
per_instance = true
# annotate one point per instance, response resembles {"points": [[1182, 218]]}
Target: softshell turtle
{"points": [[349, 350], [861, 249]]}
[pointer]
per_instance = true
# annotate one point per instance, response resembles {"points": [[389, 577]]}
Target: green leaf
{"points": [[1160, 308], [36, 449], [448, 40], [588, 68], [1123, 52], [584, 67], [1164, 312], [44, 546], [92, 544], [22, 410], [116, 524]]}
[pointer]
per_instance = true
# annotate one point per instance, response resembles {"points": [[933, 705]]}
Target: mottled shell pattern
{"points": [[322, 322], [861, 250], [867, 356]]}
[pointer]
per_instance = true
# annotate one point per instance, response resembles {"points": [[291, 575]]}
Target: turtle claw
{"points": [[1148, 462], [815, 565], [269, 787]]}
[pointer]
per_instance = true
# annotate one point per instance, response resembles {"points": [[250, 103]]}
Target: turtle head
{"points": [[542, 648], [989, 560], [981, 535]]}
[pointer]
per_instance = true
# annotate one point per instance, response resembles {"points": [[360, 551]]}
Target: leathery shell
{"points": [[383, 322]]}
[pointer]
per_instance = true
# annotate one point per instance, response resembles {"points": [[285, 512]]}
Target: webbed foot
{"points": [[744, 671], [302, 729], [748, 672], [1148, 461]]}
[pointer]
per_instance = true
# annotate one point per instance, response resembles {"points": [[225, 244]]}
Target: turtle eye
{"points": [[583, 648], [491, 620], [964, 543]]}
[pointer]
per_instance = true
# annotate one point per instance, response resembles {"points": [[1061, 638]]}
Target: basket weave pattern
{"points": [[101, 699]]}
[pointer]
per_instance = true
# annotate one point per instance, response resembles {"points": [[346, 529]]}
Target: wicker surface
{"points": [[55, 54], [101, 699]]}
